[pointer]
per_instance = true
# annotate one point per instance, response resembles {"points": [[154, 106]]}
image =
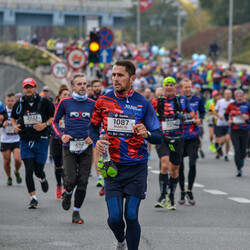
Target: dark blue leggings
{"points": [[117, 224]]}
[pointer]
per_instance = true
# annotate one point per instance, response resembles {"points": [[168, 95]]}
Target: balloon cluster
{"points": [[156, 51], [199, 58]]}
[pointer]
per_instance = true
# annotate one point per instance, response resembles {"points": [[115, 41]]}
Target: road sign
{"points": [[105, 55], [106, 38], [59, 70], [76, 59]]}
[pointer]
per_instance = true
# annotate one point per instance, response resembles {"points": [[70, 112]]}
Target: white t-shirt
{"points": [[220, 107], [8, 135]]}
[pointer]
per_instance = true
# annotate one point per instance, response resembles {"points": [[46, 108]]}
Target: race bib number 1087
{"points": [[121, 125]]}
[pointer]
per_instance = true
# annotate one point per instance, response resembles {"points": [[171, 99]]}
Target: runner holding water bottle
{"points": [[129, 121]]}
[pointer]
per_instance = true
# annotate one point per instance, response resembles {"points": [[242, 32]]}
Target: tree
{"points": [[219, 11], [158, 24]]}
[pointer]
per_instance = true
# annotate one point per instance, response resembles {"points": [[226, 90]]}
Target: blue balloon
{"points": [[162, 51], [202, 58], [195, 57], [155, 50]]}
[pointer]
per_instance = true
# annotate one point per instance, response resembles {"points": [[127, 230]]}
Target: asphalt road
{"points": [[219, 220]]}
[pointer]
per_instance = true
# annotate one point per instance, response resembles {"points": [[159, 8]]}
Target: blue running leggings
{"points": [[116, 222]]}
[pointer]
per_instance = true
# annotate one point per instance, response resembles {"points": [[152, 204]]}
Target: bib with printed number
{"points": [[210, 119], [189, 121], [238, 119], [77, 146], [9, 130], [30, 119], [170, 125], [121, 125]]}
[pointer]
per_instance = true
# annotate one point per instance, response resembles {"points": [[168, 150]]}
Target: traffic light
{"points": [[94, 47]]}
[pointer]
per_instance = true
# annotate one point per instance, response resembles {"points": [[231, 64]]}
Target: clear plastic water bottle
{"points": [[106, 155]]}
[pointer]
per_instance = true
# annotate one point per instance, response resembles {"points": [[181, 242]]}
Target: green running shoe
{"points": [[18, 178], [9, 181]]}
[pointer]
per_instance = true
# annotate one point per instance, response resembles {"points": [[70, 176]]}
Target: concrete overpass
{"points": [[62, 12]]}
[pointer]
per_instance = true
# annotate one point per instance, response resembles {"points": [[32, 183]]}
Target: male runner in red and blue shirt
{"points": [[128, 119]]}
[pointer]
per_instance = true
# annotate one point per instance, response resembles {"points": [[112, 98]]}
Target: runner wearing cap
{"points": [[237, 116], [172, 110], [31, 116]]}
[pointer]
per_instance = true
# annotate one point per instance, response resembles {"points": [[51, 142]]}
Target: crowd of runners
{"points": [[140, 101]]}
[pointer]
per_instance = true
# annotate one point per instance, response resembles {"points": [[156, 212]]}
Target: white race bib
{"points": [[170, 125], [121, 124], [31, 119], [77, 146], [189, 121], [238, 119], [9, 130]]}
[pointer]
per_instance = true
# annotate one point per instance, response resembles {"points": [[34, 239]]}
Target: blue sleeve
{"points": [[156, 137], [2, 108], [57, 117], [201, 109], [150, 119], [94, 133]]}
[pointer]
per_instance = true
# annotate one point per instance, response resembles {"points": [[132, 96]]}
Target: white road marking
{"points": [[196, 185], [239, 199], [214, 191], [155, 171], [149, 167]]}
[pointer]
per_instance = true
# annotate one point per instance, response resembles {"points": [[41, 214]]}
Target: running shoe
{"points": [[121, 245], [226, 158], [9, 181], [101, 192], [190, 198], [66, 203], [33, 204], [18, 178], [99, 183], [171, 205], [202, 154], [59, 192], [239, 173], [162, 202], [45, 186], [212, 148], [76, 218], [182, 200]]}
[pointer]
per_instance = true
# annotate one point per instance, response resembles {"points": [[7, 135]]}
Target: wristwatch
{"points": [[149, 134], [47, 124]]}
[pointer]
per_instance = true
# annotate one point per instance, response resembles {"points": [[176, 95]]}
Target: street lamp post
{"points": [[179, 27], [138, 23], [230, 32]]}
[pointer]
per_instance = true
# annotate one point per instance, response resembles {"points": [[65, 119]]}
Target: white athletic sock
{"points": [[77, 209], [33, 197]]}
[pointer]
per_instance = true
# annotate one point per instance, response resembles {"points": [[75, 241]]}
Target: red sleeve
{"points": [[97, 118], [154, 104]]}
